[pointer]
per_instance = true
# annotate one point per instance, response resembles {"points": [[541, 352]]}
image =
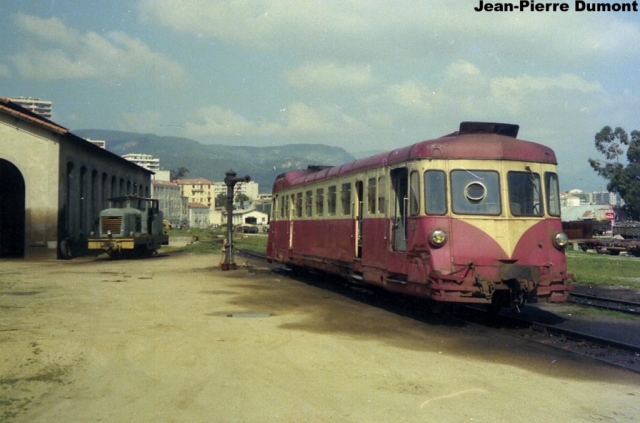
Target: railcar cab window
{"points": [[553, 193], [414, 193], [345, 198], [525, 197], [331, 200], [320, 201], [435, 192], [475, 192]]}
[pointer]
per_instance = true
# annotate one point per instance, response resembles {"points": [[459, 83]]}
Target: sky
{"points": [[367, 76]]}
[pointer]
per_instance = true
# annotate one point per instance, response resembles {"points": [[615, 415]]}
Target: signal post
{"points": [[230, 181]]}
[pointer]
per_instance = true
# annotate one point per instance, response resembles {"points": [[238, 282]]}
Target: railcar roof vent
{"points": [[506, 129], [317, 168]]}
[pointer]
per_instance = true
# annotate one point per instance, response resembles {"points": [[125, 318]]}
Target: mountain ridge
{"points": [[211, 161]]}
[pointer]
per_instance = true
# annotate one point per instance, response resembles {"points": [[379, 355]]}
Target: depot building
{"points": [[54, 185]]}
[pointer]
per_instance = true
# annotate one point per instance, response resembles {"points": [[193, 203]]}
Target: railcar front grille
{"points": [[110, 223]]}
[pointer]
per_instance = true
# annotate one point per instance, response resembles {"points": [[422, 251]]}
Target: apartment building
{"points": [[34, 105], [144, 160], [197, 190]]}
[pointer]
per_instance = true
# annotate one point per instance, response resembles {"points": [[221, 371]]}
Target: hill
{"points": [[211, 161]]}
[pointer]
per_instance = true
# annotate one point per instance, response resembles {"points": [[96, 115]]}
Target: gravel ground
{"points": [[173, 339]]}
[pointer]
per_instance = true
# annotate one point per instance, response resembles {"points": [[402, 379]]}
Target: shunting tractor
{"points": [[131, 225]]}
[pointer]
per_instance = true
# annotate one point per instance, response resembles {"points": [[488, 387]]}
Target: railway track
{"points": [[622, 306], [610, 351]]}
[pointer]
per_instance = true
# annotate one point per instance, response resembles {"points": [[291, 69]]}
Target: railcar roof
{"points": [[457, 145]]}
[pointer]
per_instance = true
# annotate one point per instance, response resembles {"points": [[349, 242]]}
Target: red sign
{"points": [[609, 215]]}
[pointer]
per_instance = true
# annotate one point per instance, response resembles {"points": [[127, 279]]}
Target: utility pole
{"points": [[230, 181]]}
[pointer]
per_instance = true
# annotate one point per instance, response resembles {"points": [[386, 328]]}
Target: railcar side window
{"points": [[525, 196], [345, 198], [435, 192], [414, 193], [371, 196], [382, 200], [320, 201], [284, 201], [308, 203], [299, 204], [553, 193], [331, 200], [475, 192]]}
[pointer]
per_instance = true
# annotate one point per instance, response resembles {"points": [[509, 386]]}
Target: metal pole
{"points": [[230, 181]]}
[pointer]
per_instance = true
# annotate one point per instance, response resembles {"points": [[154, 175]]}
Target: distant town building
{"points": [[170, 201], [569, 200], [144, 160], [198, 215], [604, 198], [600, 198], [249, 216], [197, 190], [250, 189], [99, 143], [34, 105], [162, 175]]}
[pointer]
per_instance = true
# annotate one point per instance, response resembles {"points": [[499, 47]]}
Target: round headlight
{"points": [[561, 240], [438, 238]]}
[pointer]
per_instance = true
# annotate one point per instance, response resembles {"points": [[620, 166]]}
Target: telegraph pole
{"points": [[230, 181]]}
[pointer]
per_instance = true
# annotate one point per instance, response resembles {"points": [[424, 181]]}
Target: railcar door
{"points": [[399, 189], [358, 218]]}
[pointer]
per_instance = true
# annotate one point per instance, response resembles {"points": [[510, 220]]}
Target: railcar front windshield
{"points": [[475, 192], [525, 198]]}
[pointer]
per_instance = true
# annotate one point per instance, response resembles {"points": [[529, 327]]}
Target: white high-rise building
{"points": [[144, 160], [35, 105]]}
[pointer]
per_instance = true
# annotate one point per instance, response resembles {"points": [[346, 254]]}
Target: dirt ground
{"points": [[174, 339]]}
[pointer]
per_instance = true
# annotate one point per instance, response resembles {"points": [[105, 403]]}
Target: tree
{"points": [[624, 180], [221, 200], [178, 173], [242, 198]]}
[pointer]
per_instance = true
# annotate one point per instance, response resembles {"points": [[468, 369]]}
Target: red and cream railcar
{"points": [[471, 217]]}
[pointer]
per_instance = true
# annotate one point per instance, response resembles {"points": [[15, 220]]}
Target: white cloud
{"points": [[298, 119], [57, 52], [330, 76], [400, 29]]}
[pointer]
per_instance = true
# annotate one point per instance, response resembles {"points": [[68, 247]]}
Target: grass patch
{"points": [[578, 310], [604, 270], [211, 241]]}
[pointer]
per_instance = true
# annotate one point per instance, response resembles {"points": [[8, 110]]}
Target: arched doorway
{"points": [[12, 213]]}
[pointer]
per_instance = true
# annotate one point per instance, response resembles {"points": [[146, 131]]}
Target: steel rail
{"points": [[612, 304]]}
